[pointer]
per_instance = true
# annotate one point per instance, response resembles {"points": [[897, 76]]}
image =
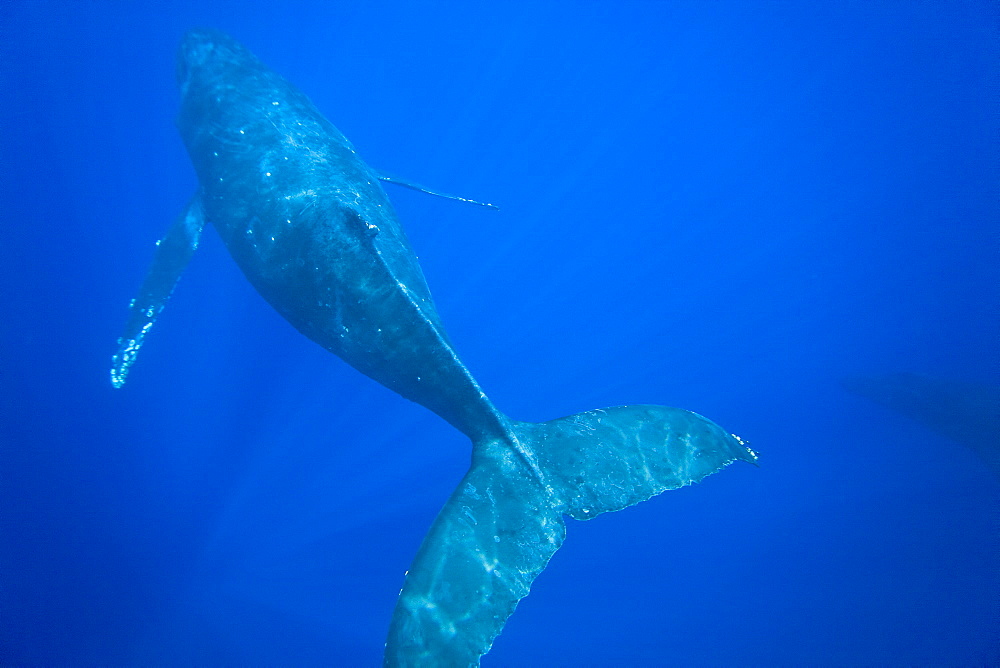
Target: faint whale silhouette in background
{"points": [[310, 226], [968, 413]]}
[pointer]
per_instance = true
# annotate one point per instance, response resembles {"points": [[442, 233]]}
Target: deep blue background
{"points": [[724, 206]]}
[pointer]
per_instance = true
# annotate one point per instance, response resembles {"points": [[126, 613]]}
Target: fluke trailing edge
{"points": [[310, 226]]}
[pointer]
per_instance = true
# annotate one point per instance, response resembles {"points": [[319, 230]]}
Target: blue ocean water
{"points": [[723, 206]]}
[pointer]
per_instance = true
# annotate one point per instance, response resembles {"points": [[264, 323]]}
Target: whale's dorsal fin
{"points": [[390, 178], [173, 252]]}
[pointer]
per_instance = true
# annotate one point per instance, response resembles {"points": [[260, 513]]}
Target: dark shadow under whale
{"points": [[308, 223]]}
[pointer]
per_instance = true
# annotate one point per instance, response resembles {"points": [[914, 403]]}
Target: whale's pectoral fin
{"points": [[505, 521], [173, 253], [389, 178]]}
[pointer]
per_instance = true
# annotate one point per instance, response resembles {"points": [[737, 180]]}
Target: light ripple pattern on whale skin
{"points": [[310, 226]]}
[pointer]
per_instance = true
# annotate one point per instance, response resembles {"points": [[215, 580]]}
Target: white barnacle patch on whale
{"points": [[308, 192]]}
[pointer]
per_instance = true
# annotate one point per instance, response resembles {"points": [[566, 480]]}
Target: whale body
{"points": [[965, 412], [310, 226]]}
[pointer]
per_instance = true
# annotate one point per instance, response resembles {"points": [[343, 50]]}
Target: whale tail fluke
{"points": [[505, 520]]}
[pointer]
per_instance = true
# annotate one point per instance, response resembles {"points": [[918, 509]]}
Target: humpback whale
{"points": [[967, 413], [310, 226]]}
